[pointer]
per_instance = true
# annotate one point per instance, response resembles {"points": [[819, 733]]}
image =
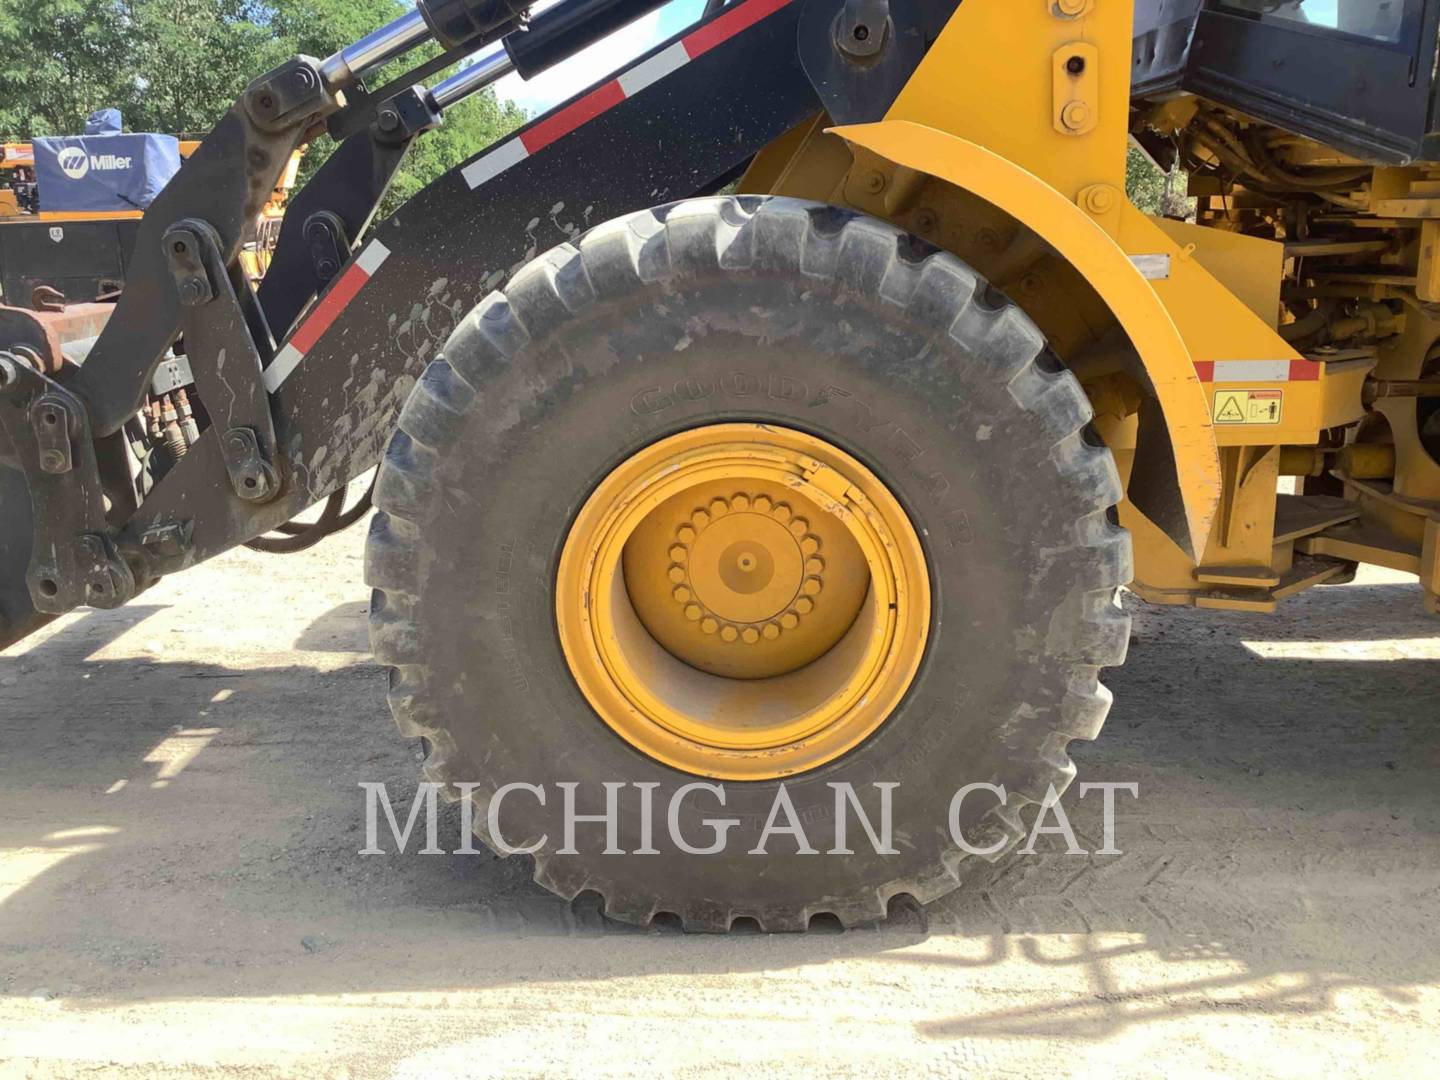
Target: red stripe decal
{"points": [[1205, 369], [605, 96], [328, 309], [729, 24]]}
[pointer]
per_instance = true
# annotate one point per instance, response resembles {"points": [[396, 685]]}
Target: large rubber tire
{"points": [[751, 309]]}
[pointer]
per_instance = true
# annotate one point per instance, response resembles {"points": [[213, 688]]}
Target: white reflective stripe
{"points": [[1252, 371], [286, 361], [494, 163], [653, 70], [370, 259]]}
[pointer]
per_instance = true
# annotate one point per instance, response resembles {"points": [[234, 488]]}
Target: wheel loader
{"points": [[782, 414]]}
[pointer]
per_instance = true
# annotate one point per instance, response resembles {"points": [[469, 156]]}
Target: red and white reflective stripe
{"points": [[1257, 371], [609, 94], [361, 270]]}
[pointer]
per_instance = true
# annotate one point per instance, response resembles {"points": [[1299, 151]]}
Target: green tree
{"points": [[1144, 183], [191, 59], [59, 61], [176, 65], [1153, 191]]}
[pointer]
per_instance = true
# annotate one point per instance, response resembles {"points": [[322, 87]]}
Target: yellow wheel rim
{"points": [[743, 601]]}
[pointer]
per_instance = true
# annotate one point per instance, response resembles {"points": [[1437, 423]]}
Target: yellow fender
{"points": [[1077, 238]]}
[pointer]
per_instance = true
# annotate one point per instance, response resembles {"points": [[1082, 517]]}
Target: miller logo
{"points": [[73, 162]]}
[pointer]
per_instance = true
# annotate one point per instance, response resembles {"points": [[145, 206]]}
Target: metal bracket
{"points": [[292, 90], [406, 115], [327, 244], [224, 361], [253, 477], [859, 54], [1076, 78], [55, 424], [348, 186], [73, 559]]}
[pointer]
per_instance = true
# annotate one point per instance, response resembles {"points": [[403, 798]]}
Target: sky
{"points": [[592, 65]]}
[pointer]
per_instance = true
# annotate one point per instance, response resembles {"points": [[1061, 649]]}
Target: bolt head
{"points": [[1100, 200], [1075, 115]]}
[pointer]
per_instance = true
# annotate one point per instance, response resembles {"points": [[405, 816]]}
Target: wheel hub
{"points": [[742, 601], [745, 577]]}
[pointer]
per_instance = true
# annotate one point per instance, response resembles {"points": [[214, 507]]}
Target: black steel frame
{"points": [[1374, 99], [264, 458]]}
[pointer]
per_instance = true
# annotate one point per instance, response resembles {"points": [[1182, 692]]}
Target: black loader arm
{"points": [[299, 384]]}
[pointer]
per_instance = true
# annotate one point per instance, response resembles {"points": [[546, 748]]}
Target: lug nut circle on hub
{"points": [[750, 576]]}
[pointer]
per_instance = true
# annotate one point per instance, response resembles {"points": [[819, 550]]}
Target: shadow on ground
{"points": [[182, 829]]}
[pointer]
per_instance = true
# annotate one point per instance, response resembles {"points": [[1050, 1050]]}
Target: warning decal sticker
{"points": [[1248, 406]]}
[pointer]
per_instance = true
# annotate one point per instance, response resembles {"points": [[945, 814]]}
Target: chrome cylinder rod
{"points": [[487, 68], [374, 49]]}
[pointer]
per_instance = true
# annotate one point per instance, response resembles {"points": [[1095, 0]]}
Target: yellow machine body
{"points": [[1019, 168]]}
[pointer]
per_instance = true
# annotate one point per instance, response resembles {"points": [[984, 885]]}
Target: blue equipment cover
{"points": [[103, 122], [86, 173]]}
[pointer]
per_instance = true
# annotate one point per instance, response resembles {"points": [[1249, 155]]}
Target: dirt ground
{"points": [[180, 889]]}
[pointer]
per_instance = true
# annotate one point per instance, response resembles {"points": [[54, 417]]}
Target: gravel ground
{"points": [[180, 890]]}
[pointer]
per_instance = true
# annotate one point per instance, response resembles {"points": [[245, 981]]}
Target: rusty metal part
{"points": [[187, 416], [175, 440], [1376, 389], [46, 333], [47, 298]]}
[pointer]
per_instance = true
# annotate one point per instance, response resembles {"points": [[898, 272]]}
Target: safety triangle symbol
{"points": [[1231, 411]]}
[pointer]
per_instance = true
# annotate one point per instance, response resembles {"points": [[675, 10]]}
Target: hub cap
{"points": [[743, 601]]}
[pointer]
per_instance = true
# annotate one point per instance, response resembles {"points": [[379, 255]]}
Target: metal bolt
{"points": [[925, 221], [192, 292], [1071, 8], [1075, 65], [388, 119], [873, 182], [52, 461], [1100, 200], [1075, 115]]}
